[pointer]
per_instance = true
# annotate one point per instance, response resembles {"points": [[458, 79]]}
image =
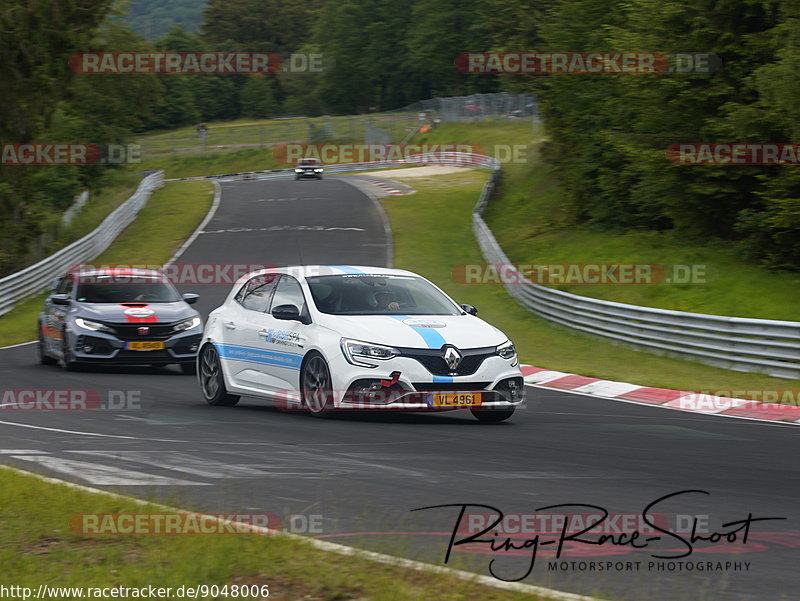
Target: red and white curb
{"points": [[384, 185], [679, 400]]}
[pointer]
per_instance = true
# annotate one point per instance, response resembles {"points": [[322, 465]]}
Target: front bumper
{"points": [[499, 382], [101, 347], [307, 173]]}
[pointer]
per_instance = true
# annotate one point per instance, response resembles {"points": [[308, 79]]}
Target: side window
{"points": [[289, 292], [256, 293]]}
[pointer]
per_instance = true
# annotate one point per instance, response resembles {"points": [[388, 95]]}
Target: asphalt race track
{"points": [[364, 474]]}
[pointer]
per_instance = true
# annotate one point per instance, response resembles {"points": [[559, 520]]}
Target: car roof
{"points": [[305, 271]]}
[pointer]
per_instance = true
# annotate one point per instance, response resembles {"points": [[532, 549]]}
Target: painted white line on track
{"points": [[104, 475], [2, 348], [336, 548], [211, 212]]}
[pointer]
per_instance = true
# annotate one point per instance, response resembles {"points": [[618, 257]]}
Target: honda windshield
{"points": [[126, 289]]}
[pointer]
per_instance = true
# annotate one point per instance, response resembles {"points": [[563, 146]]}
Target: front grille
{"points": [[187, 345], [131, 331], [450, 386], [433, 360], [99, 346]]}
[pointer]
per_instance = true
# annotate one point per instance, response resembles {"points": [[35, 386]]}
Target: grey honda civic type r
{"points": [[119, 316]]}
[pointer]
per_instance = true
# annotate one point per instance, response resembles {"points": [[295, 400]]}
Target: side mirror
{"points": [[286, 312], [191, 298], [469, 309], [60, 299]]}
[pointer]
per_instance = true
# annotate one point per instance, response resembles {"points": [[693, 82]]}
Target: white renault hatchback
{"points": [[328, 338]]}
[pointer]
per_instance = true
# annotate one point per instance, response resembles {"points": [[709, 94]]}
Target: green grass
{"points": [[38, 546], [227, 135], [526, 216], [169, 217], [195, 165], [433, 234]]}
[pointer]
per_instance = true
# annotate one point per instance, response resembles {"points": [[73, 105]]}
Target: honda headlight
{"points": [[507, 351], [94, 326], [356, 352], [187, 324]]}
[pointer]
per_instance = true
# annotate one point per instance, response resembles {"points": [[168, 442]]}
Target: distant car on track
{"points": [[308, 168], [121, 316], [330, 338]]}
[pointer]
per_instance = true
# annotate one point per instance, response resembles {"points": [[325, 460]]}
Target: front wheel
{"points": [[67, 361], [212, 382], [315, 379], [44, 358], [492, 416]]}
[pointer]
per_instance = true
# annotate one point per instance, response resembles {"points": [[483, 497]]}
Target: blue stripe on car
{"points": [[250, 354], [432, 338], [347, 269]]}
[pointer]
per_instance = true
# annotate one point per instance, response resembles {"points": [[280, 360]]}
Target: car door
{"points": [[280, 343], [239, 348]]}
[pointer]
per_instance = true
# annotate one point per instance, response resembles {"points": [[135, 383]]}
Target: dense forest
{"points": [[152, 19], [608, 133]]}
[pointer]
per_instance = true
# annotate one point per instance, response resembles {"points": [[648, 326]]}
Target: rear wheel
{"points": [[44, 358], [212, 382], [315, 379], [493, 416]]}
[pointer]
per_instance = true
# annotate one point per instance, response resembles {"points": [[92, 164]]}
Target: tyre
{"points": [[212, 382], [492, 416], [67, 360], [44, 358], [316, 387], [189, 369]]}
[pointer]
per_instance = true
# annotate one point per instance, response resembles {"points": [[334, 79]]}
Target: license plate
{"points": [[457, 399], [146, 345]]}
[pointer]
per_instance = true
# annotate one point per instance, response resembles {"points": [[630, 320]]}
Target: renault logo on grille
{"points": [[452, 357]]}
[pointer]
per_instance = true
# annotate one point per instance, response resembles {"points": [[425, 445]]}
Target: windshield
{"points": [[378, 295], [308, 162], [126, 289]]}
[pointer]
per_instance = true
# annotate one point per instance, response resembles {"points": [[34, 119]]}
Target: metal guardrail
{"points": [[737, 343], [38, 277]]}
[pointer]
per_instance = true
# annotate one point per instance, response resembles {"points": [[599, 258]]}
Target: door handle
{"points": [[231, 325]]}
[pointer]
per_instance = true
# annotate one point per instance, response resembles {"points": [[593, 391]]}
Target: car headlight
{"points": [[318, 170], [356, 351], [507, 351], [298, 171], [187, 324], [94, 326]]}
